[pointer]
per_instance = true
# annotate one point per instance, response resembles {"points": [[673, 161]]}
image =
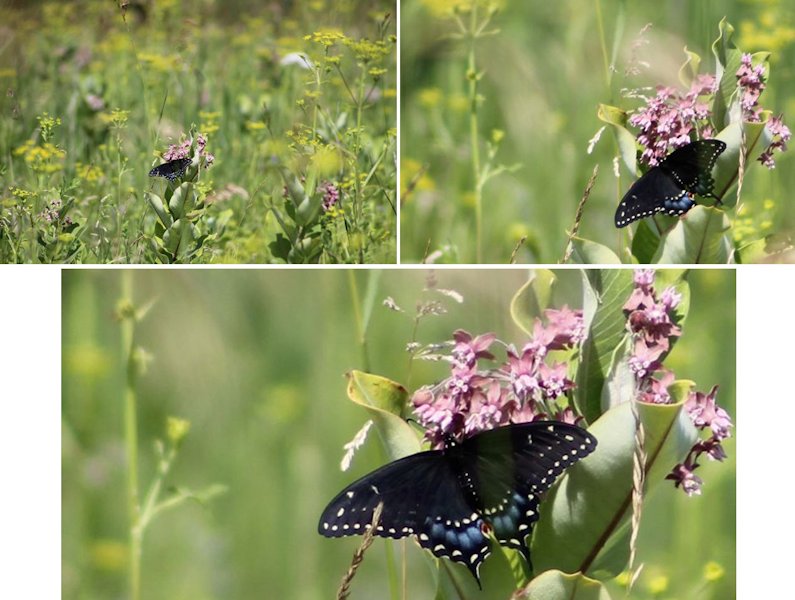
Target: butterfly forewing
{"points": [[422, 497], [691, 166], [172, 169], [671, 186]]}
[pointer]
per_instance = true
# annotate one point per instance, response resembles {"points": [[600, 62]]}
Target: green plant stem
{"points": [[411, 356], [602, 40], [358, 202], [318, 87], [359, 319], [151, 508], [119, 174], [131, 433], [473, 135]]}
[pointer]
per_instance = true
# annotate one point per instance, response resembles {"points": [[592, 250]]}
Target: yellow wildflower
{"points": [[367, 51], [88, 173], [713, 571], [430, 97], [658, 584], [326, 37]]}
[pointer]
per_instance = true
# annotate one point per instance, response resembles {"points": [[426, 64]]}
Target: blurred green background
{"points": [[544, 75], [255, 361]]}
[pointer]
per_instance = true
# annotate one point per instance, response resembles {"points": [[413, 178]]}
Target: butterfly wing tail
{"points": [[524, 550], [475, 570]]}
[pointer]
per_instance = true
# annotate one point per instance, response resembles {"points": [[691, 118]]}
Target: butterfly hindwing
{"points": [[172, 169], [514, 466], [654, 192], [671, 186]]}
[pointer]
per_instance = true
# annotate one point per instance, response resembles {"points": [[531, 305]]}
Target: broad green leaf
{"points": [[156, 202], [288, 228], [307, 211], [501, 574], [584, 522], [280, 247], [751, 252], [645, 242], [664, 278], [626, 141], [726, 171], [586, 252], [176, 204], [556, 585], [680, 390], [605, 292], [532, 299], [518, 565], [171, 238], [295, 190], [186, 239], [697, 239], [620, 383], [305, 250], [727, 62], [689, 70], [385, 400], [498, 574], [455, 582]]}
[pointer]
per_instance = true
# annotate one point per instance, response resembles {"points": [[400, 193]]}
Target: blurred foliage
{"points": [[255, 362], [93, 93], [543, 76]]}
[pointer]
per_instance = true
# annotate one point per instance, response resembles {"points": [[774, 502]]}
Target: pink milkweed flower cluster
{"points": [[705, 414], [331, 195], [672, 118], [649, 317], [474, 399], [52, 213], [781, 135], [751, 81], [182, 150]]}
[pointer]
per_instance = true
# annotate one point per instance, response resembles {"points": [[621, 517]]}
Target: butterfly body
{"points": [[172, 169], [671, 186], [452, 498]]}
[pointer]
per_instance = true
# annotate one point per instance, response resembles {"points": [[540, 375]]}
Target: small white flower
{"points": [[296, 58]]}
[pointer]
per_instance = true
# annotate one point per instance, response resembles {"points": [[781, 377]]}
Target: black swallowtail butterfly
{"points": [[671, 186], [172, 169], [451, 498]]}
